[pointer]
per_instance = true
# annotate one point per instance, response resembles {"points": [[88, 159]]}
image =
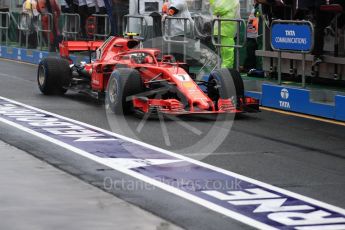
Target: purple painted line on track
{"points": [[198, 179], [255, 201], [112, 148]]}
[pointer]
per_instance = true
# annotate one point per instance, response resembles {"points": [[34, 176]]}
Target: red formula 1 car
{"points": [[136, 80]]}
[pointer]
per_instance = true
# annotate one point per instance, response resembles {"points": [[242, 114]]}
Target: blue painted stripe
{"points": [[252, 202]]}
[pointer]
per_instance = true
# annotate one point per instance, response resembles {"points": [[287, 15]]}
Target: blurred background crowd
{"points": [[51, 21]]}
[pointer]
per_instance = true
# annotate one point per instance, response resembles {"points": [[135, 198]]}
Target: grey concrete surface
{"points": [[35, 195], [178, 210]]}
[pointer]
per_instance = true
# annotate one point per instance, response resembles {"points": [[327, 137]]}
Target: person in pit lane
{"points": [[226, 9], [178, 9]]}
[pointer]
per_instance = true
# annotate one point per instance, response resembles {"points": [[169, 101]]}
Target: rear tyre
{"points": [[53, 76], [122, 84]]}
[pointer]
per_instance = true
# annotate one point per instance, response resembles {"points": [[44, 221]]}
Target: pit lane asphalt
{"points": [[301, 155]]}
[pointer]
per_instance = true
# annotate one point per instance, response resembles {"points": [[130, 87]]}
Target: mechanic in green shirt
{"points": [[227, 9]]}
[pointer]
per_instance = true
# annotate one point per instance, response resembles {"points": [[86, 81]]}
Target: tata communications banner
{"points": [[293, 36]]}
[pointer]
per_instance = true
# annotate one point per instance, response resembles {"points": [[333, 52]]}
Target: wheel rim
{"points": [[41, 75], [112, 91]]}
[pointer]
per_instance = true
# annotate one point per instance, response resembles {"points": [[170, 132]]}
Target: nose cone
{"points": [[202, 104]]}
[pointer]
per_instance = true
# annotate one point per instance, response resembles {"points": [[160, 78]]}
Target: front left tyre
{"points": [[225, 84], [123, 83], [53, 76]]}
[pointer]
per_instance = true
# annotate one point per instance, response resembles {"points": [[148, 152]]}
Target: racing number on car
{"points": [[183, 77]]}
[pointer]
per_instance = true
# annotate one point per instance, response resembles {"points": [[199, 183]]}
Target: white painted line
{"points": [[173, 190], [161, 185], [325, 227]]}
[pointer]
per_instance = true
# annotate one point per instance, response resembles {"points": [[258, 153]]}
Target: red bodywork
{"points": [[118, 51]]}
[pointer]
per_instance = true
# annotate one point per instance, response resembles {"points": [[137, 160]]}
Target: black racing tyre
{"points": [[53, 75], [122, 84], [225, 83], [238, 81]]}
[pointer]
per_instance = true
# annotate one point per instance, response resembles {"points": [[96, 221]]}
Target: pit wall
{"points": [[31, 56], [285, 98], [321, 103]]}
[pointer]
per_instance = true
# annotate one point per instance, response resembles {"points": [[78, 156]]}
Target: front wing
{"points": [[174, 107]]}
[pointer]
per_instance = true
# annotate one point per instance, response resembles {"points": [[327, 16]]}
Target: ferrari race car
{"points": [[137, 80]]}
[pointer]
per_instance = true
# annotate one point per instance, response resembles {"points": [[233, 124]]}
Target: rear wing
{"points": [[78, 46]]}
